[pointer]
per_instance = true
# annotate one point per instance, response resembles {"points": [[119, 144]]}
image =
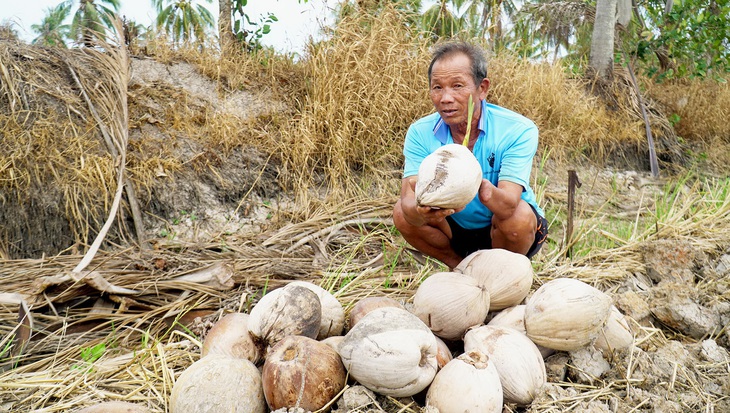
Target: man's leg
{"points": [[517, 233], [433, 241]]}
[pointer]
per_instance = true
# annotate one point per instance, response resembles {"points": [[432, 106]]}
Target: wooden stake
{"points": [[573, 182]]}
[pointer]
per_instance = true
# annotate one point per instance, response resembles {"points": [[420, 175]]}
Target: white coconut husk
{"points": [[449, 303], [449, 177], [566, 314], [506, 275], [468, 383], [517, 359], [391, 352]]}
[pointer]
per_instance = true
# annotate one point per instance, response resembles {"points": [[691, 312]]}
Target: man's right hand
{"points": [[428, 215], [432, 215]]}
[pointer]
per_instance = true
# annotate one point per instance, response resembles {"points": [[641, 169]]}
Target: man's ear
{"points": [[483, 88]]}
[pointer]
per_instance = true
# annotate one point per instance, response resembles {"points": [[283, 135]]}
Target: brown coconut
{"points": [[302, 372], [285, 311], [368, 304], [217, 383], [229, 336], [333, 315]]}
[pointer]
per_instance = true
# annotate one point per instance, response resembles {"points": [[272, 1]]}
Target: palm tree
{"points": [[184, 20], [439, 21], [52, 31], [474, 18], [134, 32], [91, 19], [602, 42], [545, 25], [225, 26]]}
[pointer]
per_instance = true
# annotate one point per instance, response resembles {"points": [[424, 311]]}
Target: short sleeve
{"points": [[414, 151], [517, 158]]}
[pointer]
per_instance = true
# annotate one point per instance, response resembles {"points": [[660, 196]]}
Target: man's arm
{"points": [[502, 199]]}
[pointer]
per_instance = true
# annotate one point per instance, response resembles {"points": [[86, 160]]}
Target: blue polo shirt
{"points": [[505, 148]]}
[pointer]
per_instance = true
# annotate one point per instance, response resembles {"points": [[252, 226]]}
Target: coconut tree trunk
{"points": [[225, 28], [601, 57], [87, 37], [495, 27], [625, 10]]}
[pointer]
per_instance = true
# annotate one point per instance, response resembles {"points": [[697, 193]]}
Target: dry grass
{"points": [[365, 87], [51, 143], [571, 121], [145, 343], [702, 107], [346, 107]]}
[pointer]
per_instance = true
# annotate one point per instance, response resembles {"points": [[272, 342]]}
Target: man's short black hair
{"points": [[474, 53]]}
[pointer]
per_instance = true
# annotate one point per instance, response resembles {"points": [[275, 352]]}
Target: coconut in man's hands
{"points": [[448, 178]]}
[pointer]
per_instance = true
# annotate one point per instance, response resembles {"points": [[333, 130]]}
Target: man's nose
{"points": [[447, 95]]}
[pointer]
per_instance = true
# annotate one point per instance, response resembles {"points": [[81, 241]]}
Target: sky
{"points": [[296, 21]]}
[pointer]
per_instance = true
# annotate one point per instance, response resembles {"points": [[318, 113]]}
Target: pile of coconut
{"points": [[470, 340]]}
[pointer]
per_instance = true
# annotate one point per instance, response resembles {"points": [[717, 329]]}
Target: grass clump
{"points": [[365, 86], [698, 108]]}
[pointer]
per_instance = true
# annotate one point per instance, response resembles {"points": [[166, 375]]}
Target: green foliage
{"points": [[410, 9], [89, 355], [184, 20], [250, 32], [93, 353], [134, 32], [692, 40], [544, 29], [480, 19], [247, 31], [440, 22], [52, 31], [91, 19]]}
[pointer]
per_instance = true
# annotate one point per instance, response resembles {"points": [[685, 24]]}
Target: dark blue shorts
{"points": [[466, 241]]}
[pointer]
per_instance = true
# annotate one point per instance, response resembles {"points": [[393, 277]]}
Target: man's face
{"points": [[451, 85]]}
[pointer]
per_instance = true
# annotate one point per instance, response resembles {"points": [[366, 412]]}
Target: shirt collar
{"points": [[441, 129]]}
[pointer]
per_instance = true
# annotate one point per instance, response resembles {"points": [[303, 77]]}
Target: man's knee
{"points": [[398, 219], [522, 224], [401, 223]]}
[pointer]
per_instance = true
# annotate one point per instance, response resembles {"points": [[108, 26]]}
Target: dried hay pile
{"points": [[187, 145], [127, 326], [56, 142]]}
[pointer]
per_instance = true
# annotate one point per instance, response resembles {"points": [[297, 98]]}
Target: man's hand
{"points": [[432, 215], [486, 189], [502, 199], [421, 215]]}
